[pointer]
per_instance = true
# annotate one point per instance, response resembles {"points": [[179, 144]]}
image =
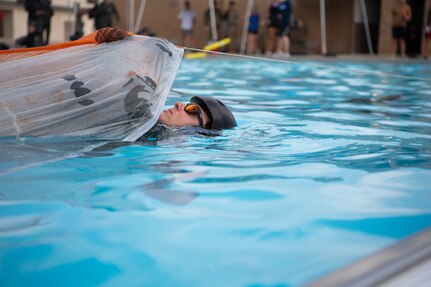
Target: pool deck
{"points": [[406, 263], [340, 57], [363, 58]]}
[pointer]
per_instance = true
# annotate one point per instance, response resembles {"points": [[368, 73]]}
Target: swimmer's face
{"points": [[178, 116]]}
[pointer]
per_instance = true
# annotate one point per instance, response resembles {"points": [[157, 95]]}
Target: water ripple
{"points": [[325, 167]]}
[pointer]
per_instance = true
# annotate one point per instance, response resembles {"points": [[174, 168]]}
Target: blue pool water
{"points": [[319, 173]]}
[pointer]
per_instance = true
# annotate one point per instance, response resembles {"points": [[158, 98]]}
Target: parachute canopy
{"points": [[111, 90]]}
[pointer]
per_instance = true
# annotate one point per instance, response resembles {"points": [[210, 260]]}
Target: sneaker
{"points": [[277, 55]]}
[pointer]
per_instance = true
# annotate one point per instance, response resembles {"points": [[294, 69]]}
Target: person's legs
{"points": [[48, 32], [187, 39], [426, 47], [183, 38], [192, 40], [283, 44], [403, 47], [283, 41], [254, 43], [425, 53], [403, 40], [251, 43], [231, 33], [271, 40], [287, 45], [279, 45], [394, 46], [394, 41], [286, 41], [208, 34]]}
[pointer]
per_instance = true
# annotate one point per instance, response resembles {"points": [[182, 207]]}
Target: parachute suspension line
{"points": [[380, 74], [13, 117]]}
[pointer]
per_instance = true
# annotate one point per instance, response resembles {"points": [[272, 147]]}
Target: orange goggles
{"points": [[194, 109]]}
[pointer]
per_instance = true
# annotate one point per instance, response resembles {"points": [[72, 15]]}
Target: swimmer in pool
{"points": [[204, 112]]}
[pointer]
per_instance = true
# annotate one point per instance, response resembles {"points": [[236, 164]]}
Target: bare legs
{"points": [[272, 37], [403, 47], [251, 43], [283, 45], [426, 48], [188, 40], [402, 44]]}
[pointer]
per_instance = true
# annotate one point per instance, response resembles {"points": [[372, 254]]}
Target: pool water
{"points": [[323, 169]]}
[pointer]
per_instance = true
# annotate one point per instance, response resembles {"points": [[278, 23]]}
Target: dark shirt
{"points": [[273, 15], [253, 25], [102, 14], [285, 11], [45, 12], [34, 5]]}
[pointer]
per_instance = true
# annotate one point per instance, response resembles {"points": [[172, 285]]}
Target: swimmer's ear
{"points": [[107, 35]]}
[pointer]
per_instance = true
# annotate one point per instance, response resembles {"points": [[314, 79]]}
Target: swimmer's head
{"points": [[204, 112]]}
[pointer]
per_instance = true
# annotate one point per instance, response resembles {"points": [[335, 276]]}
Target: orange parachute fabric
{"points": [[96, 86], [105, 35]]}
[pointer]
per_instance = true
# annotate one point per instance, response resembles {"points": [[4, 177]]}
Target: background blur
{"points": [[344, 22]]}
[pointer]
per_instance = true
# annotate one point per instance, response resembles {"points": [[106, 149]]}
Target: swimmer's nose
{"points": [[179, 105]]}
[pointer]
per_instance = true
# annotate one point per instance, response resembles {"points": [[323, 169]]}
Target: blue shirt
{"points": [[253, 24]]}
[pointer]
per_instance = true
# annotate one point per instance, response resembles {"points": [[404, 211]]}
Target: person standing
{"points": [[284, 15], [102, 14], [187, 19], [401, 15], [253, 30], [79, 25], [48, 12], [35, 24], [273, 26], [231, 18]]}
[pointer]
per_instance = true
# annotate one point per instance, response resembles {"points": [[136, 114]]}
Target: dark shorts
{"points": [[273, 24], [284, 30], [186, 32], [252, 31], [399, 32]]}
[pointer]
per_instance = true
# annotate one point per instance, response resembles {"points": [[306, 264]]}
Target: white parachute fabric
{"points": [[113, 90]]}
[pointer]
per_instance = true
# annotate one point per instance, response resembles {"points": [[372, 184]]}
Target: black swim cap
{"points": [[220, 116]]}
